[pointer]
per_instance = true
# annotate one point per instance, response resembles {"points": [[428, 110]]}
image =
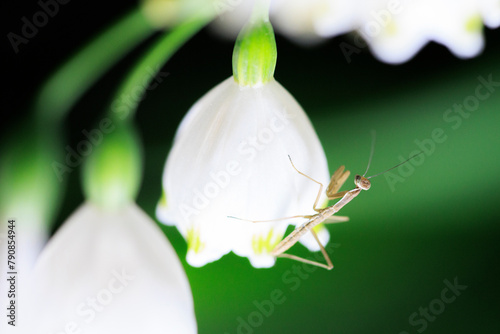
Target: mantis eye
{"points": [[362, 182]]}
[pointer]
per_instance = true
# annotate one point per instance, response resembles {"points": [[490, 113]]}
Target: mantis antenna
{"points": [[372, 150], [385, 171], [325, 215]]}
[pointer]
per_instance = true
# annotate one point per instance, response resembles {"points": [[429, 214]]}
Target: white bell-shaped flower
{"points": [[230, 157], [396, 31], [108, 272]]}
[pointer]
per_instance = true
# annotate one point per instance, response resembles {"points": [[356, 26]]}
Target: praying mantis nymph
{"points": [[324, 215]]}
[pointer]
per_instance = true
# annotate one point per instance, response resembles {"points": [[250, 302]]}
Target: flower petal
{"points": [[110, 272]]}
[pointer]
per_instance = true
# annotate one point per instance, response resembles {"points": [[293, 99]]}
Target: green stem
{"points": [[255, 54], [260, 11], [33, 165], [112, 174], [130, 93], [73, 78]]}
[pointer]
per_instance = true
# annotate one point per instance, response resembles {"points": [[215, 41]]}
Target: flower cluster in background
{"points": [[395, 30]]}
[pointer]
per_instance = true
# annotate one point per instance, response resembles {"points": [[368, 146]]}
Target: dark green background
{"points": [[392, 258]]}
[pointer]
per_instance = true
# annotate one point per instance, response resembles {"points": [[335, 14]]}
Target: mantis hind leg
{"points": [[328, 265]]}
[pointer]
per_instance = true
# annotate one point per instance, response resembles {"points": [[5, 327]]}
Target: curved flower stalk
{"points": [[230, 158], [395, 30], [109, 271], [30, 168]]}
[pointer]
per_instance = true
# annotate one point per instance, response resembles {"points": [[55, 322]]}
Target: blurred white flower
{"points": [[309, 22], [29, 194], [395, 30], [230, 158], [230, 16], [108, 272]]}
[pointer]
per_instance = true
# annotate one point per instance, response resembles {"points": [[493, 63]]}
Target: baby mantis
{"points": [[325, 215]]}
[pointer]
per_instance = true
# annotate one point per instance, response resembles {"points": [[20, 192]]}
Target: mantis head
{"points": [[362, 182]]}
